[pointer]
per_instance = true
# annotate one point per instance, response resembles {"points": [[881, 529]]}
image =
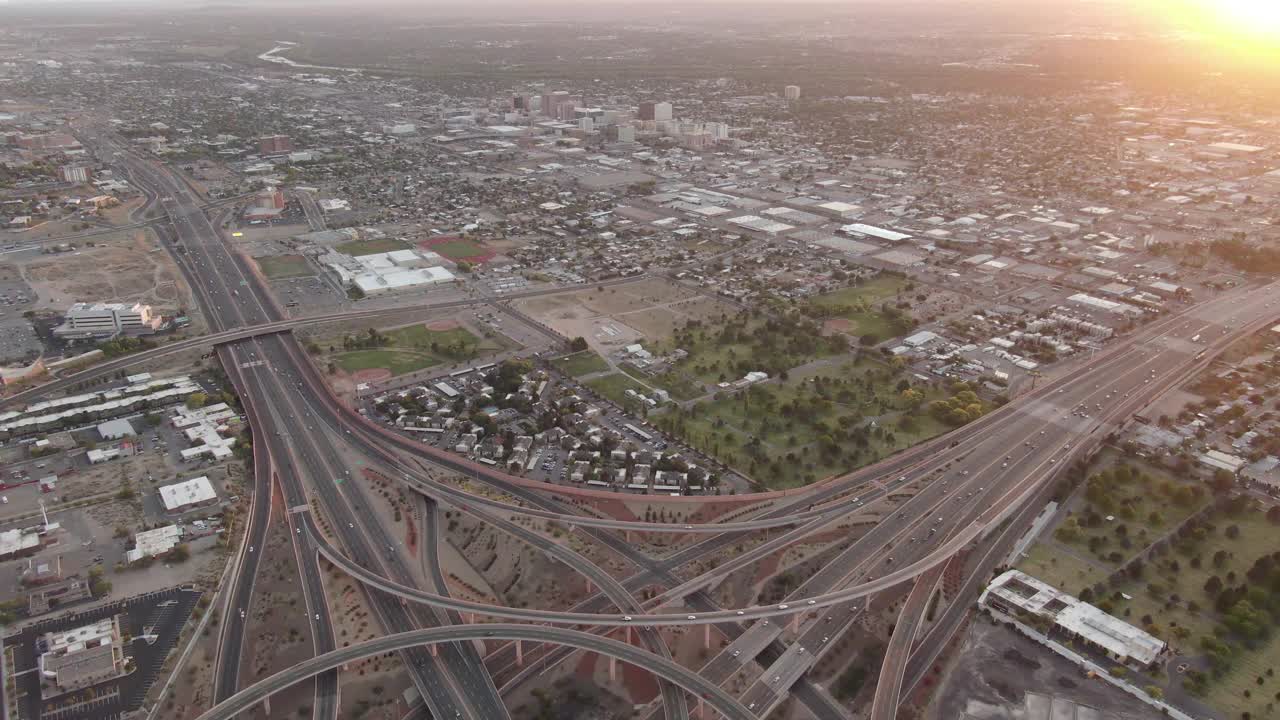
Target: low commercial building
{"points": [[384, 272], [1015, 593], [95, 320], [1218, 460], [150, 543], [189, 495], [116, 429], [78, 658]]}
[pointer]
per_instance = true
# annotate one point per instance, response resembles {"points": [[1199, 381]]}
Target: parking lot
{"points": [[153, 621], [18, 340]]}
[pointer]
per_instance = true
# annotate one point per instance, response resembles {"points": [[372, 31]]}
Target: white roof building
{"points": [[151, 543], [1016, 591], [188, 494], [396, 270]]}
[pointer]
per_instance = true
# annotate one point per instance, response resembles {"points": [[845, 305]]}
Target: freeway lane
{"points": [[210, 270], [717, 699], [1034, 424]]}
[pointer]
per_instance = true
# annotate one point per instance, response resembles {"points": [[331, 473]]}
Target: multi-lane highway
{"points": [[231, 297], [922, 507]]}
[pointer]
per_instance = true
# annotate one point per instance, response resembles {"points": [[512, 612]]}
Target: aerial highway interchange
{"points": [[965, 491]]}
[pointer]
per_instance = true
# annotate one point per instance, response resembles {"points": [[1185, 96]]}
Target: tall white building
{"points": [[719, 131], [661, 111], [791, 92], [107, 319]]}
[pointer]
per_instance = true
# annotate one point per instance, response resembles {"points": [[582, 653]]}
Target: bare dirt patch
{"points": [[616, 316], [130, 267], [443, 325]]}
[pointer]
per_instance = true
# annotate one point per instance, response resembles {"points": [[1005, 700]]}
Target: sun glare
{"points": [[1254, 17]]}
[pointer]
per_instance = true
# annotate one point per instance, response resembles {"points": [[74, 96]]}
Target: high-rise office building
{"points": [[791, 92], [275, 144], [655, 111]]}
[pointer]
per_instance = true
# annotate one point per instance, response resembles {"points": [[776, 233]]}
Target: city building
{"points": [[150, 543], [98, 320], [1015, 593], [75, 174], [117, 429], [791, 92], [656, 111], [78, 658], [383, 272], [275, 145], [188, 495], [270, 197]]}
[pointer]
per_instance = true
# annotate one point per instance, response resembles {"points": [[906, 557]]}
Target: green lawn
{"points": [[458, 249], [398, 362], [614, 387], [805, 429], [581, 363], [1143, 507], [276, 267], [415, 347], [715, 356], [859, 305], [457, 343], [371, 246], [680, 386], [1059, 569]]}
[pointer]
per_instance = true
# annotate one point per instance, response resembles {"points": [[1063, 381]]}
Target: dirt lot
{"points": [[996, 668], [279, 632], [616, 316], [126, 267]]}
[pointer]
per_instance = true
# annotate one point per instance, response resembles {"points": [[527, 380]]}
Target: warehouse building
{"points": [[1015, 592], [150, 543], [188, 495]]}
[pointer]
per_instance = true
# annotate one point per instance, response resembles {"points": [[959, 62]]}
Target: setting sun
{"points": [[1258, 17]]}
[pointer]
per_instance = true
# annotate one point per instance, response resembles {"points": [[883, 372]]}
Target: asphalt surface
{"points": [[715, 697], [230, 297]]}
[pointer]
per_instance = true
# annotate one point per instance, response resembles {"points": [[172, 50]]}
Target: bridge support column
{"points": [[628, 634], [590, 588], [520, 653], [469, 618], [266, 705], [702, 709], [613, 670], [795, 623], [435, 649], [706, 637]]}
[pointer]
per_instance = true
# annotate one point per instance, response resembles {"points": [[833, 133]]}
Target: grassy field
{"points": [[614, 387], [458, 249], [398, 362], [1144, 507], [581, 363], [675, 382], [1059, 569], [754, 345], [792, 433], [457, 343], [371, 247], [415, 347], [276, 267], [859, 305]]}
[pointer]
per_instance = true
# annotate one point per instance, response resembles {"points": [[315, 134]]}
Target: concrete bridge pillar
{"points": [[706, 637], [520, 653], [613, 670]]}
